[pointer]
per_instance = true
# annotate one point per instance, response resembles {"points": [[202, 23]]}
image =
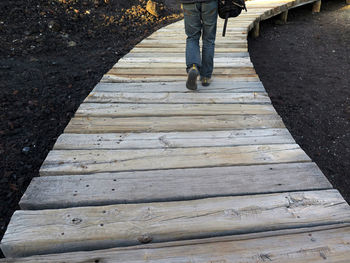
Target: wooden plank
{"points": [[165, 124], [175, 55], [316, 244], [180, 87], [164, 59], [148, 64], [68, 141], [222, 40], [171, 71], [179, 98], [148, 110], [239, 36], [230, 35], [182, 50], [170, 44], [180, 30], [160, 78], [170, 185], [94, 161], [88, 228]]}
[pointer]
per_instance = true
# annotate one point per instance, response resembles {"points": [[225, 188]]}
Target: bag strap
{"points": [[225, 25]]}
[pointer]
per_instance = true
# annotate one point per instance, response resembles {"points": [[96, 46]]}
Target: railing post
{"points": [[256, 30], [316, 7], [284, 16]]}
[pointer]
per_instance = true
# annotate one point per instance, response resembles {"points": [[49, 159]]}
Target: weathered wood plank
{"points": [[316, 244], [179, 35], [151, 78], [180, 30], [238, 36], [181, 98], [154, 60], [175, 55], [93, 161], [165, 124], [174, 65], [182, 50], [170, 44], [88, 228], [68, 141], [177, 109], [170, 185], [180, 87], [170, 71]]}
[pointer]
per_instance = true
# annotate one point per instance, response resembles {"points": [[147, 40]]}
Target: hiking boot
{"points": [[205, 81], [192, 75]]}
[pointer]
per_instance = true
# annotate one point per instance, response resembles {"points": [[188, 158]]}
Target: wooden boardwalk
{"points": [[148, 171]]}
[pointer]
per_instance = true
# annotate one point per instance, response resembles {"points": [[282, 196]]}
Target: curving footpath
{"points": [[147, 171]]}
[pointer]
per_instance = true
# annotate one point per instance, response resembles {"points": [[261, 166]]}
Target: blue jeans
{"points": [[201, 18]]}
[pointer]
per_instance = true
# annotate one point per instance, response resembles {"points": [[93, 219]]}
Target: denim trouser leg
{"points": [[201, 17], [209, 16], [193, 28]]}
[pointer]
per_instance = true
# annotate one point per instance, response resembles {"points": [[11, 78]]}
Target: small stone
{"points": [[26, 150], [72, 44], [54, 26]]}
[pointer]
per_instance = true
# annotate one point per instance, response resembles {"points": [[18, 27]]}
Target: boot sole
{"points": [[191, 83]]}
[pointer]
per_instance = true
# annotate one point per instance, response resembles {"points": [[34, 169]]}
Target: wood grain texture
{"points": [[94, 161], [164, 60], [209, 100], [89, 228], [170, 185], [175, 55], [181, 50], [86, 125], [170, 71], [316, 245], [68, 141], [139, 110], [151, 78], [180, 87], [176, 65], [180, 45]]}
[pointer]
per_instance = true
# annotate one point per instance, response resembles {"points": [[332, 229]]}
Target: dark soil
{"points": [[52, 55], [305, 67], [54, 52]]}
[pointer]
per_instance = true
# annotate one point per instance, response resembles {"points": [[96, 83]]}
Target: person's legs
{"points": [[209, 21], [193, 27]]}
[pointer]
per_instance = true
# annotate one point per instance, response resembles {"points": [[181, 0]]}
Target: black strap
{"points": [[225, 25]]}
